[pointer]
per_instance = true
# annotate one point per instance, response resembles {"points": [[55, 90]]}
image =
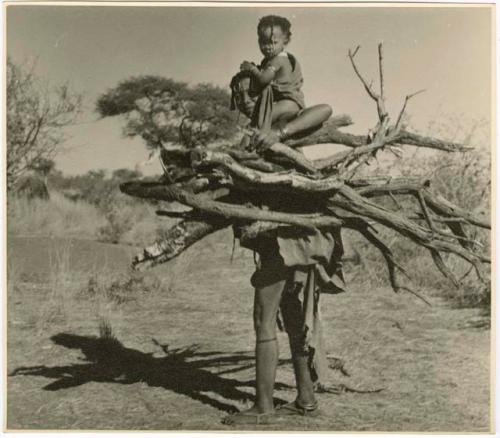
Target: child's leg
{"points": [[284, 110]]}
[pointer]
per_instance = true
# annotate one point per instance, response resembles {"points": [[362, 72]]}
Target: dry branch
{"points": [[176, 240], [221, 186], [351, 201], [288, 181], [405, 186], [413, 139], [334, 136], [227, 210], [330, 135]]}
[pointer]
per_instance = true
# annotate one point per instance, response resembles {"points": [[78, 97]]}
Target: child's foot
{"points": [[250, 416]]}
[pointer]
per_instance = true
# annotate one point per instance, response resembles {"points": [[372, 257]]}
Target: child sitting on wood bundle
{"points": [[279, 75]]}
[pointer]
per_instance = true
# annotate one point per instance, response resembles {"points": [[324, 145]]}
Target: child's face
{"points": [[272, 41]]}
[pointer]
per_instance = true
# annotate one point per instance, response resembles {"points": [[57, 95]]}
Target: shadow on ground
{"points": [[182, 370]]}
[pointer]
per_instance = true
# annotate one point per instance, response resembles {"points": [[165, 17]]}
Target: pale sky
{"points": [[446, 51]]}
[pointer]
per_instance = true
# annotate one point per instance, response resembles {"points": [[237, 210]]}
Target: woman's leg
{"points": [[266, 304], [293, 318]]}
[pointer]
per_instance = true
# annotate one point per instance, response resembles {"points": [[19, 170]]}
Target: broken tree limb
{"points": [[342, 160], [262, 165], [227, 210], [297, 158], [413, 139], [288, 181], [367, 185], [336, 137], [351, 201], [176, 240], [331, 135], [436, 203]]}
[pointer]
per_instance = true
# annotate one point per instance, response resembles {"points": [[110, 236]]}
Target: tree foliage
{"points": [[162, 111], [43, 167], [36, 116]]}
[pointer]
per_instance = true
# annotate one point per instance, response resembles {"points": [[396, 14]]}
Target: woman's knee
{"points": [[264, 321], [267, 300]]}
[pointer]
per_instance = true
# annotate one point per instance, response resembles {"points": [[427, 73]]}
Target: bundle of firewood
{"points": [[220, 186]]}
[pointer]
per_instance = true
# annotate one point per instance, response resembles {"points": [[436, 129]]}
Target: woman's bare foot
{"points": [[297, 408], [306, 398], [250, 416]]}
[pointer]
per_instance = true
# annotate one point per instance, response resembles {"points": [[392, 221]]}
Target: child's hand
{"points": [[246, 140], [247, 66]]}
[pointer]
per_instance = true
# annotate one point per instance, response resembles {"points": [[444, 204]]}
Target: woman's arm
{"points": [[308, 121]]}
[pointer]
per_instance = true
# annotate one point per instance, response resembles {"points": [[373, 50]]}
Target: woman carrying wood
{"points": [[293, 267]]}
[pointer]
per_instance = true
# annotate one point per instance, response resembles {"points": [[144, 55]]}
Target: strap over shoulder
{"points": [[292, 60]]}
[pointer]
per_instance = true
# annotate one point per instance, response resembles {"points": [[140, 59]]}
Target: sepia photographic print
{"points": [[249, 217]]}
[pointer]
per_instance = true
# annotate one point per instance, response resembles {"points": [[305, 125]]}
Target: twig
{"points": [[381, 69], [463, 277], [368, 88], [420, 296], [425, 211], [441, 265], [382, 113], [401, 113], [398, 205]]}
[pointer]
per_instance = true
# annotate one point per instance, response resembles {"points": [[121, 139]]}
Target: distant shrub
{"points": [[119, 219], [119, 287], [130, 221], [31, 186]]}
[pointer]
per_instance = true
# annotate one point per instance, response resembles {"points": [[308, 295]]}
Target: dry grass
{"points": [[179, 356], [58, 217], [66, 285], [123, 222], [60, 291]]}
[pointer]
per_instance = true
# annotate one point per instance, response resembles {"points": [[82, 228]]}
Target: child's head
{"points": [[274, 34]]}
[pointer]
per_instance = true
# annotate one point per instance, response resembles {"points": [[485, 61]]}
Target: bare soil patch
{"points": [[180, 355]]}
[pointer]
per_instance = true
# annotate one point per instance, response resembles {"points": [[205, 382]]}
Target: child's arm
{"points": [[267, 74]]}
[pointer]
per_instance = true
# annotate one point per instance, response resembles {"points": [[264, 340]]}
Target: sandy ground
{"points": [[183, 354]]}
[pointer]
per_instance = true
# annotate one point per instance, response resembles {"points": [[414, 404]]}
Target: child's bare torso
{"points": [[288, 81]]}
